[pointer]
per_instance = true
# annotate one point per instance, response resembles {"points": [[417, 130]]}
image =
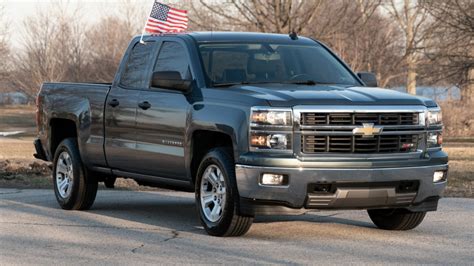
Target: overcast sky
{"points": [[17, 10]]}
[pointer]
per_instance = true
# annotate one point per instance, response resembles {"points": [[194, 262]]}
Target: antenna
{"points": [[293, 35]]}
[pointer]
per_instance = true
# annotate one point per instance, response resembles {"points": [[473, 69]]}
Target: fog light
{"points": [[274, 180], [439, 176]]}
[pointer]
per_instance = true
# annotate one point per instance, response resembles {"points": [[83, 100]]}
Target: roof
{"points": [[213, 36]]}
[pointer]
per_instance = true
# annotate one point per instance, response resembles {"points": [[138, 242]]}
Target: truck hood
{"points": [[287, 95]]}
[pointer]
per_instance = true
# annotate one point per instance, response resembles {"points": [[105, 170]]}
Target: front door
{"points": [[161, 119]]}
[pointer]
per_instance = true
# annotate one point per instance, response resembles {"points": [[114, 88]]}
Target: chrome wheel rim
{"points": [[213, 193], [64, 174]]}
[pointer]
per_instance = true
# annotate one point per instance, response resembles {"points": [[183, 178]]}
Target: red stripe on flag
{"points": [[169, 23], [177, 17], [160, 30], [178, 11], [165, 25]]}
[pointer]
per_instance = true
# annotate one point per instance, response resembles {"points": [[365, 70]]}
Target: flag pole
{"points": [[143, 31], [141, 37]]}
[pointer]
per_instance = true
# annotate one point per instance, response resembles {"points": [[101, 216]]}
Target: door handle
{"points": [[114, 103], [144, 105]]}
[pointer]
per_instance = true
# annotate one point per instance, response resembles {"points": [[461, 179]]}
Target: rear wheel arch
{"points": [[59, 130]]}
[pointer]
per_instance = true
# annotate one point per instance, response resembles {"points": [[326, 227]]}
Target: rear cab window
{"points": [[135, 73]]}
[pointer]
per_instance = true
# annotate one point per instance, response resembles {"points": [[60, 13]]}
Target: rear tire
{"points": [[75, 188], [396, 219], [216, 182]]}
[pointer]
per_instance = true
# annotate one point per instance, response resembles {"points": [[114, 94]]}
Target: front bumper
{"points": [[407, 186]]}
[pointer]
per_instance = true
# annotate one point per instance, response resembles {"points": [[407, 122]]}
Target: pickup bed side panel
{"points": [[84, 105]]}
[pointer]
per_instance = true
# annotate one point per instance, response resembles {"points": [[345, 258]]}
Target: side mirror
{"points": [[171, 80], [369, 79]]}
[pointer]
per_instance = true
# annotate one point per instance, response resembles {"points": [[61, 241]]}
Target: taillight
{"points": [[38, 107]]}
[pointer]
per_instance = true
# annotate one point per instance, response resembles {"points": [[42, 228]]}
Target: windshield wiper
{"points": [[297, 82], [242, 83], [302, 82], [230, 84]]}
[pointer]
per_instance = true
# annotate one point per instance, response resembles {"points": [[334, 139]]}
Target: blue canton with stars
{"points": [[159, 11]]}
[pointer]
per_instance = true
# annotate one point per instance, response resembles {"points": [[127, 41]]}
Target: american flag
{"points": [[164, 18]]}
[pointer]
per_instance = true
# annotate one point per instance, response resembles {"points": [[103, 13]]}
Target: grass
{"points": [[18, 118], [461, 171], [19, 169]]}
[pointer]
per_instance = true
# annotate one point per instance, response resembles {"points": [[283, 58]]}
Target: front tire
{"points": [[396, 219], [74, 187], [217, 196]]}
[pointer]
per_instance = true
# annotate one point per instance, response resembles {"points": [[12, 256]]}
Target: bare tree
{"points": [[5, 53], [452, 52], [106, 42], [363, 36], [107, 39], [412, 18], [282, 16], [53, 49], [132, 16]]}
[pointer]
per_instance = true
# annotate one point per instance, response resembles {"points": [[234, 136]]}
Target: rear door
{"points": [[161, 123], [121, 108]]}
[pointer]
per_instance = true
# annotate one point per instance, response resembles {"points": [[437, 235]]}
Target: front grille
{"points": [[359, 144], [392, 119]]}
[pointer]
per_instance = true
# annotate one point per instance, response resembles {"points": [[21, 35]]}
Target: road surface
{"points": [[129, 227]]}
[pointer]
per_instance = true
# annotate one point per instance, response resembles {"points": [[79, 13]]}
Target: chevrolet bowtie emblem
{"points": [[367, 130]]}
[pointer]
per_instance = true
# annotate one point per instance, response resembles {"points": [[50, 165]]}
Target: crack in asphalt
{"points": [[137, 248], [175, 235], [174, 232]]}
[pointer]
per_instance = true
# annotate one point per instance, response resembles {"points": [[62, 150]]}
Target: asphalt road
{"points": [[126, 227]]}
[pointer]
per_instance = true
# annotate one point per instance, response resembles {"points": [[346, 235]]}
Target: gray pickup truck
{"points": [[254, 124]]}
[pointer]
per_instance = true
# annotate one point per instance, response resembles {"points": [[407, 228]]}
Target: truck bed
{"points": [[80, 102]]}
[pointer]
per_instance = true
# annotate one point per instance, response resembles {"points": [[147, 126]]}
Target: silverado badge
{"points": [[367, 130]]}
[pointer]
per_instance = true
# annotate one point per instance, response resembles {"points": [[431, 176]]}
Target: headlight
{"points": [[434, 117], [271, 117], [270, 141], [271, 129]]}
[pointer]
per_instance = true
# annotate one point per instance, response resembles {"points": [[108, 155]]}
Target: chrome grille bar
{"points": [[324, 129]]}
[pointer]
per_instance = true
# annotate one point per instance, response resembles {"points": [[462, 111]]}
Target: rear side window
{"points": [[135, 71], [173, 57]]}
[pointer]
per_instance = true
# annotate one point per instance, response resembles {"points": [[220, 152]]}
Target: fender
{"points": [[231, 120]]}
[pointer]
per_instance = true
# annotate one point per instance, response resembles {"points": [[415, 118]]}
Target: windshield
{"points": [[227, 64]]}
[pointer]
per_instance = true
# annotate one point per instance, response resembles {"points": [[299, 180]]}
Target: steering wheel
{"points": [[301, 77]]}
